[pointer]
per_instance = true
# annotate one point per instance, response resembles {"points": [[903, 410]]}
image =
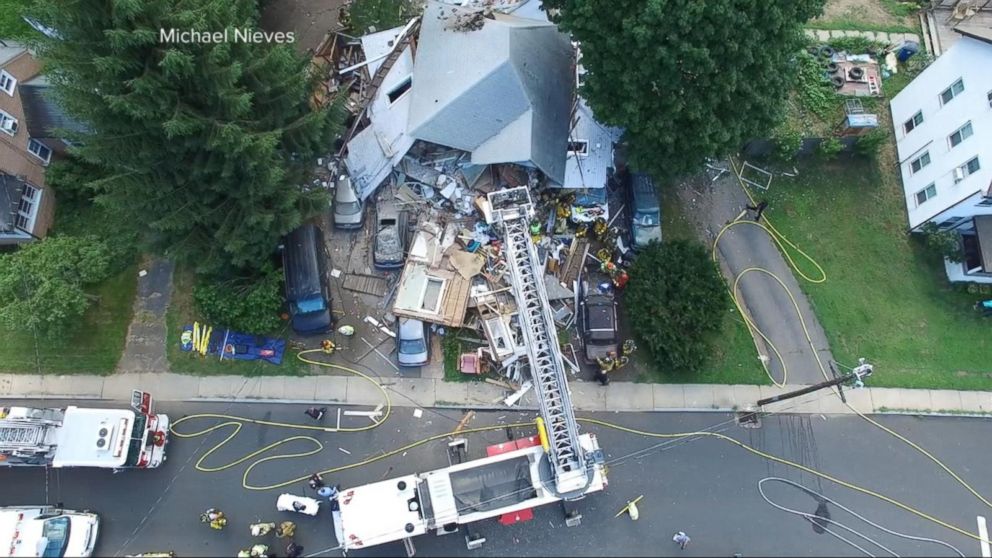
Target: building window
{"points": [[925, 194], [920, 162], [579, 147], [989, 96], [40, 150], [432, 295], [398, 91], [953, 91], [971, 167], [950, 222], [7, 82], [8, 123], [27, 209], [913, 122], [963, 133]]}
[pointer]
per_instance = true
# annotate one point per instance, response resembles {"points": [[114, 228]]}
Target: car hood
{"points": [[645, 235]]}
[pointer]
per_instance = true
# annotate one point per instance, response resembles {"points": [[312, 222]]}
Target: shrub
{"points": [[829, 148], [676, 299], [247, 304], [869, 144], [788, 141], [942, 243]]}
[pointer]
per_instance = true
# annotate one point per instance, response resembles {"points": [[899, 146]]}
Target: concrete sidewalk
{"points": [[431, 392]]}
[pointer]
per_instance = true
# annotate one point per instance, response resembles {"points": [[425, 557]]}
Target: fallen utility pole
{"points": [[863, 370], [750, 418]]}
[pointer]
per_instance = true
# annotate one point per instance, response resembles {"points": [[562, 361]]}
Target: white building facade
{"points": [[943, 130]]}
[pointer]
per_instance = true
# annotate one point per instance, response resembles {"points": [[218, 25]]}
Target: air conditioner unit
{"points": [[103, 437], [958, 174]]}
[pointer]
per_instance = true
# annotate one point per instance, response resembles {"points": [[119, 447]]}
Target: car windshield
{"points": [[646, 219], [590, 197], [54, 537], [412, 346], [312, 304], [349, 208]]}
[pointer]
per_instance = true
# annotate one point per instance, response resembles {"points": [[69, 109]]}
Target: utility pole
{"points": [[750, 419]]}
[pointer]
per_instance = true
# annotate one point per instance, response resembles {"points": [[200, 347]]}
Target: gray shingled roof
{"points": [[42, 114], [11, 190], [502, 92]]}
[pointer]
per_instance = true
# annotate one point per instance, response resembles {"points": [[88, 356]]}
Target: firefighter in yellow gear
{"points": [[606, 364]]}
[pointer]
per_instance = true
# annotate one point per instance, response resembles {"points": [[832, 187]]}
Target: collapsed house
{"points": [[460, 102]]}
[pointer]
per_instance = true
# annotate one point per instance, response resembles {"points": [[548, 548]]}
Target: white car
{"points": [[411, 343], [348, 209]]}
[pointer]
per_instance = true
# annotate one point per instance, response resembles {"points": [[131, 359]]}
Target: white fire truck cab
{"points": [[47, 531]]}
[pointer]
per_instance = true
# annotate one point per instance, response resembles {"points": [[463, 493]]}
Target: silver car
{"points": [[348, 209], [411, 343]]}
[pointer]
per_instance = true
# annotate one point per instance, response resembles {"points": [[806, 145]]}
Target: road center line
{"points": [[983, 532]]}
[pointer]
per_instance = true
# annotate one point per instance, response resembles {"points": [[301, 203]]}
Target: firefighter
{"points": [[286, 530], [215, 518], [261, 529], [606, 364], [628, 348]]}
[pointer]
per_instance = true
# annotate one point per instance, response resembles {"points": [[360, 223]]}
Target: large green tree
{"points": [[42, 285], [687, 79], [206, 144], [676, 300]]}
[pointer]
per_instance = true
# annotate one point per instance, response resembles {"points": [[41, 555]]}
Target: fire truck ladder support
{"points": [[512, 210]]}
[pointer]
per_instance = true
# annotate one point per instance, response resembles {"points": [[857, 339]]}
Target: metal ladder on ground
{"points": [[512, 210]]}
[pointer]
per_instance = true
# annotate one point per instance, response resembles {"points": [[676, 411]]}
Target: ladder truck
{"points": [[565, 465], [84, 437]]}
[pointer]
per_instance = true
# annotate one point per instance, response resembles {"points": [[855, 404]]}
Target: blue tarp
{"points": [[227, 344]]}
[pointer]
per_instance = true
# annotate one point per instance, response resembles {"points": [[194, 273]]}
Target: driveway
{"points": [[713, 204]]}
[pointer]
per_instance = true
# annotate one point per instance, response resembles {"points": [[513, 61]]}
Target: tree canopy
{"points": [[206, 144], [42, 284], [676, 300], [687, 79]]}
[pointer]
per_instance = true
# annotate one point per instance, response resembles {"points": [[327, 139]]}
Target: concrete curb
{"points": [[435, 393]]}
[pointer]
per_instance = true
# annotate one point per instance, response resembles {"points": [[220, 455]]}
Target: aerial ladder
{"points": [[512, 210], [565, 466]]}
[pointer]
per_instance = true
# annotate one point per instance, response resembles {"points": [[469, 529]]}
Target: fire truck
{"points": [[47, 531], [557, 465], [84, 437]]}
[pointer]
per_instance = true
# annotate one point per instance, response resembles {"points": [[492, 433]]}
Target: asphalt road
{"points": [[705, 487]]}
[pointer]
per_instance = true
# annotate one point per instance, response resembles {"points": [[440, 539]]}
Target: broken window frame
{"points": [[578, 152], [440, 295]]}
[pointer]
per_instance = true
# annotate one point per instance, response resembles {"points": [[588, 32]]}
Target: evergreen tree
{"points": [[687, 79], [206, 144]]}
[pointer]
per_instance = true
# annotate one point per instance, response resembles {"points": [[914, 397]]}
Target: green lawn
{"points": [[884, 298], [93, 346], [734, 359], [181, 312]]}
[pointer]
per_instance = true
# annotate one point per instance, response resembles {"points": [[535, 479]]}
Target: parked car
{"points": [[598, 323], [307, 291], [645, 213], [390, 236], [411, 342], [348, 209]]}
